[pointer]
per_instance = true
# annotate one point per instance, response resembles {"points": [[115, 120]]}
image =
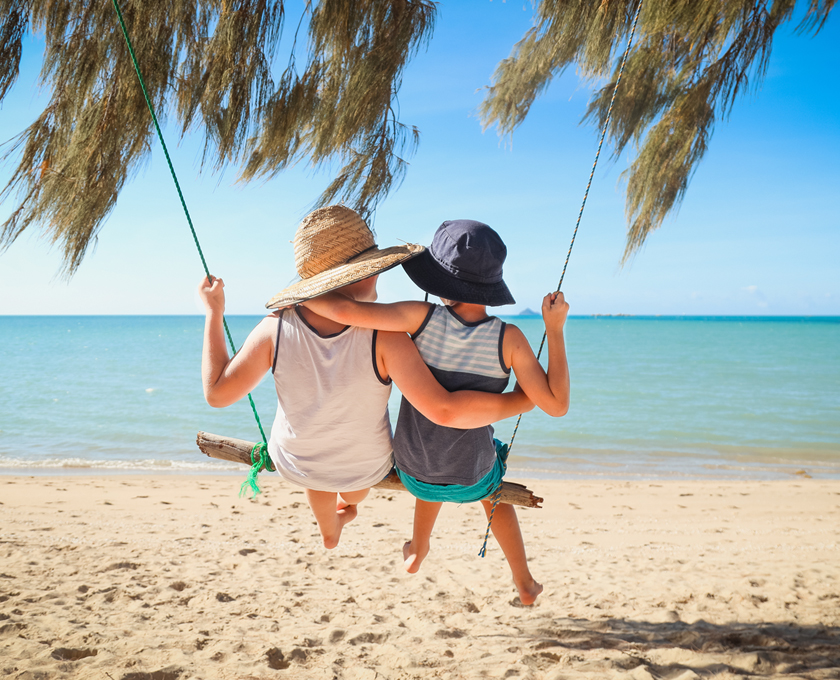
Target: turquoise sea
{"points": [[652, 397]]}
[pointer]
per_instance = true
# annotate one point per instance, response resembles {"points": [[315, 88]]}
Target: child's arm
{"points": [[405, 317], [227, 380], [548, 391], [464, 410]]}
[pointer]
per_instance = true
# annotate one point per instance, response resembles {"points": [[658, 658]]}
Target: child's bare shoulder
{"points": [[267, 326], [515, 345], [513, 333]]}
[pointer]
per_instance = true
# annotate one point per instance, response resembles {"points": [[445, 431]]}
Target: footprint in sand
{"points": [[368, 638], [122, 565], [170, 673], [66, 654], [276, 660]]}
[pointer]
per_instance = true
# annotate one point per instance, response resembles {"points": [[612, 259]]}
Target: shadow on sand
{"points": [[666, 651]]}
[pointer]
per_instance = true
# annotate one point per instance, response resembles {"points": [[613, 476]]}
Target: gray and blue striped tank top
{"points": [[462, 356]]}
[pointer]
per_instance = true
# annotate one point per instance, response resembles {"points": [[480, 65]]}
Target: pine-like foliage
{"points": [[214, 66], [210, 64], [690, 61]]}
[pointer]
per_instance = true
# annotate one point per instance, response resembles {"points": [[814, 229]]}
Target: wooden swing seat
{"points": [[239, 451]]}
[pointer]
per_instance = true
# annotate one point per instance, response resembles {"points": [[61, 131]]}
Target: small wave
{"points": [[147, 465]]}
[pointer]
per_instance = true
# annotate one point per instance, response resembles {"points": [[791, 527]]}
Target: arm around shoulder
{"points": [[464, 410], [406, 316]]}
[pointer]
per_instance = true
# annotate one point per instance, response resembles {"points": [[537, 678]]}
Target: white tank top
{"points": [[332, 431]]}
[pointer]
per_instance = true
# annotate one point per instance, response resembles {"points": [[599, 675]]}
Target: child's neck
{"points": [[321, 324], [469, 312]]}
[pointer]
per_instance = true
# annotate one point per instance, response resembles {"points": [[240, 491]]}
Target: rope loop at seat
{"points": [[259, 460]]}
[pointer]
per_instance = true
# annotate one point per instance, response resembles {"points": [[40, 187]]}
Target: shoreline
{"points": [[140, 576], [609, 468]]}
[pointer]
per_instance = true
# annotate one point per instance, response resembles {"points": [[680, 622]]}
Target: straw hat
{"points": [[334, 248]]}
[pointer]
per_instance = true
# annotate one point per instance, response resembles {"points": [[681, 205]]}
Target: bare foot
{"points": [[413, 559], [529, 593], [346, 514]]}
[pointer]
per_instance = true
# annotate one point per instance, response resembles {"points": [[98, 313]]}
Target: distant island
{"points": [[528, 312]]}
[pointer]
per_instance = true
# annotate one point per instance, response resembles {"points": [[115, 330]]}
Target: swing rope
{"points": [[498, 491], [258, 458]]}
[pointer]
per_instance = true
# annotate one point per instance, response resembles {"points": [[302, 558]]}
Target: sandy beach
{"points": [[174, 577]]}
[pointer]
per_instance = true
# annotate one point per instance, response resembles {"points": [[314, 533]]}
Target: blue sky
{"points": [[758, 232]]}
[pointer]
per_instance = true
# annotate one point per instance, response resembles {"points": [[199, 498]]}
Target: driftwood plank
{"points": [[239, 451]]}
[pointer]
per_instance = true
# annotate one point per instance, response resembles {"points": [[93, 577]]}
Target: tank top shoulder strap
{"points": [[502, 328], [384, 381], [425, 323], [277, 339]]}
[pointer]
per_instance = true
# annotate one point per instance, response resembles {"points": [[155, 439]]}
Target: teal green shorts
{"points": [[455, 493]]}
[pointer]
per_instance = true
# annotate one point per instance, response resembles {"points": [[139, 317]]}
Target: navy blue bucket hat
{"points": [[463, 264]]}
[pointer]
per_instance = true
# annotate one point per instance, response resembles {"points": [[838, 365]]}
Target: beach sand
{"points": [[174, 577]]}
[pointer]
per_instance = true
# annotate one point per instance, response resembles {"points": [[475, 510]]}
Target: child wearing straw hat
{"points": [[332, 434], [465, 348]]}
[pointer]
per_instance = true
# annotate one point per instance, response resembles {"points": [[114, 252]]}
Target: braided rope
{"points": [[259, 461], [178, 187], [572, 244], [496, 496]]}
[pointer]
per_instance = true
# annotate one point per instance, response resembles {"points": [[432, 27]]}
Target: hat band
{"points": [[361, 252], [341, 264]]}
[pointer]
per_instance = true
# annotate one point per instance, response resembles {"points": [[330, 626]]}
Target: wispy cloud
{"points": [[757, 296]]}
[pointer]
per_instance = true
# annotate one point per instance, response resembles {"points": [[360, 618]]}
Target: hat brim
{"points": [[359, 268], [435, 280]]}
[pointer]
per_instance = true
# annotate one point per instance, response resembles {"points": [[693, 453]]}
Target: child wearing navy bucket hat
{"points": [[465, 348]]}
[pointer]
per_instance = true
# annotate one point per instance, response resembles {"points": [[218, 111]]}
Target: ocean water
{"points": [[651, 398]]}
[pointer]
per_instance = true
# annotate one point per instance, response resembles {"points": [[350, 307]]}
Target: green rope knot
{"points": [[259, 461]]}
